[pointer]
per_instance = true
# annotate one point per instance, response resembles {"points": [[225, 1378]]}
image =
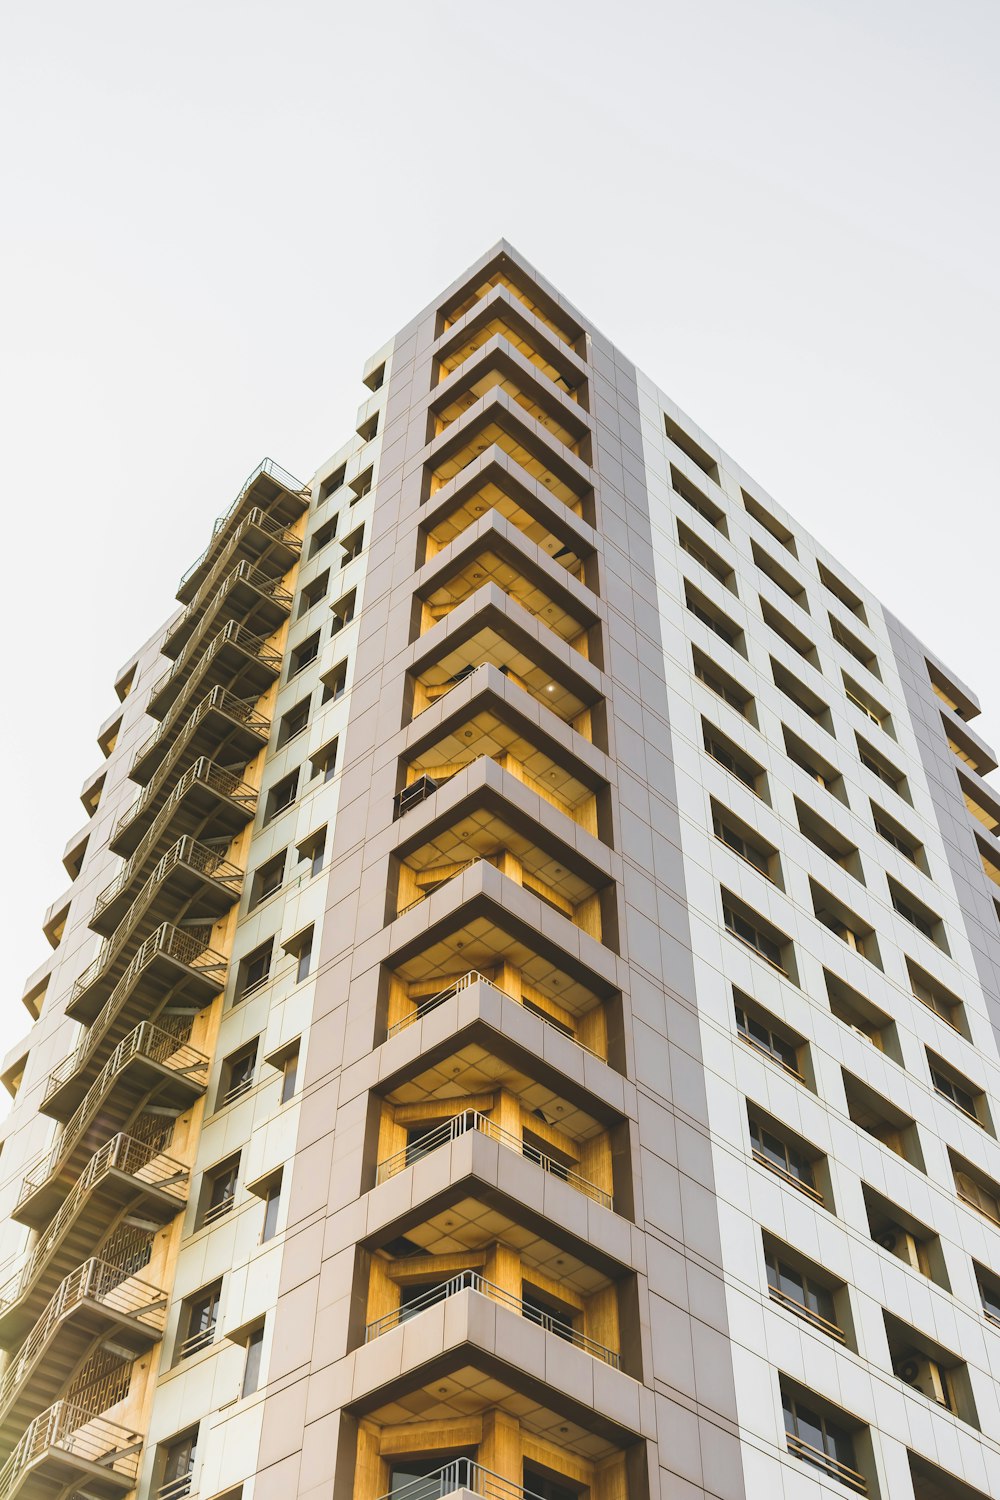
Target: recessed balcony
{"points": [[190, 883], [246, 593], [258, 539], [149, 1061], [125, 1174], [269, 489], [497, 562], [517, 284], [172, 965], [234, 658], [68, 1450], [499, 423], [497, 369], [96, 1299], [222, 728], [502, 318]]}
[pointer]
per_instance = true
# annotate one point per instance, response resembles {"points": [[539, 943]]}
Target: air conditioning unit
{"points": [[926, 1376], [900, 1244]]}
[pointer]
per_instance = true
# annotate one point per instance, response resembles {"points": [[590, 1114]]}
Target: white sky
{"points": [[786, 213]]}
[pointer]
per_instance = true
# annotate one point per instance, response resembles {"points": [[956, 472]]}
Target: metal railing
{"points": [[95, 1281], [193, 853], [786, 1176], [243, 710], [203, 772], [145, 1040], [266, 467], [455, 988], [218, 1210], [461, 1474], [198, 1340], [255, 518], [825, 1461], [168, 941], [801, 1311], [208, 862], [212, 593], [473, 1119], [233, 632], [417, 792], [474, 1282], [74, 1430], [122, 1153], [176, 1489]]}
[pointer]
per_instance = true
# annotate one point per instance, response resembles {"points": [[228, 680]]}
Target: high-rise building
{"points": [[524, 1016]]}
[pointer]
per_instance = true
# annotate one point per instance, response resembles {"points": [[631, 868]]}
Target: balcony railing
{"points": [[801, 1311], [461, 1474], [825, 1461], [267, 469], [472, 1119], [187, 853], [789, 1177], [473, 1281], [233, 633], [430, 889], [254, 520], [425, 1007], [167, 942], [208, 600], [146, 1041], [122, 1154], [77, 1434], [242, 711], [95, 1281], [187, 850]]}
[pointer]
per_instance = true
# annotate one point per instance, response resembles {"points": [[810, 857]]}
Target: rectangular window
{"points": [[845, 924], [975, 1188], [686, 443], [895, 834], [952, 1086], [353, 546], [706, 508], [874, 761], [362, 485], [251, 1368], [815, 765], [324, 536], [869, 706], [266, 879], [789, 633], [199, 1317], [828, 839], [281, 795], [237, 1074], [801, 695], [303, 655], [289, 1075], [332, 483], [791, 1286], [857, 648], [343, 612], [177, 1459], [745, 842], [820, 1442], [324, 762], [857, 1011], [334, 682], [272, 1202], [301, 947], [723, 685], [757, 933], [932, 993], [713, 617], [314, 592], [293, 722], [313, 849], [369, 428], [254, 970], [989, 1291], [757, 1029], [770, 523], [917, 914], [783, 1157], [839, 590], [734, 760], [706, 555], [219, 1191], [780, 576]]}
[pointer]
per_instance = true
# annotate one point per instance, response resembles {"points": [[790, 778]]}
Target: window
{"points": [[314, 592], [989, 1291], [895, 834], [251, 1368], [869, 706], [266, 879], [756, 1028], [254, 970], [362, 485], [953, 1087], [293, 722], [289, 1074], [324, 762], [780, 576], [368, 428], [313, 849], [828, 840], [376, 379], [878, 1117], [734, 760], [845, 924], [332, 482], [744, 842], [301, 947], [770, 523], [934, 995], [686, 443], [353, 545], [850, 643], [334, 682], [343, 612], [324, 536], [803, 697], [815, 765], [800, 1291], [917, 914], [975, 1188], [820, 1442], [237, 1073], [857, 1011], [177, 1458], [219, 1191], [840, 591], [705, 507], [723, 685], [789, 633], [303, 655], [272, 1202], [873, 760], [756, 933], [711, 616], [706, 555], [281, 795], [788, 1160], [199, 1316]]}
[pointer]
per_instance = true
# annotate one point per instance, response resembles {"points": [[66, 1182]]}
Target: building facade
{"points": [[524, 1016]]}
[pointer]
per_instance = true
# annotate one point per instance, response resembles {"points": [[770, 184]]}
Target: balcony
{"points": [[234, 658], [96, 1299], [125, 1174], [472, 1119], [498, 369], [171, 965], [190, 883], [270, 489], [567, 693], [499, 423], [473, 1281], [247, 594], [221, 727], [500, 316], [148, 1059], [460, 1474], [259, 539], [69, 1450]]}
